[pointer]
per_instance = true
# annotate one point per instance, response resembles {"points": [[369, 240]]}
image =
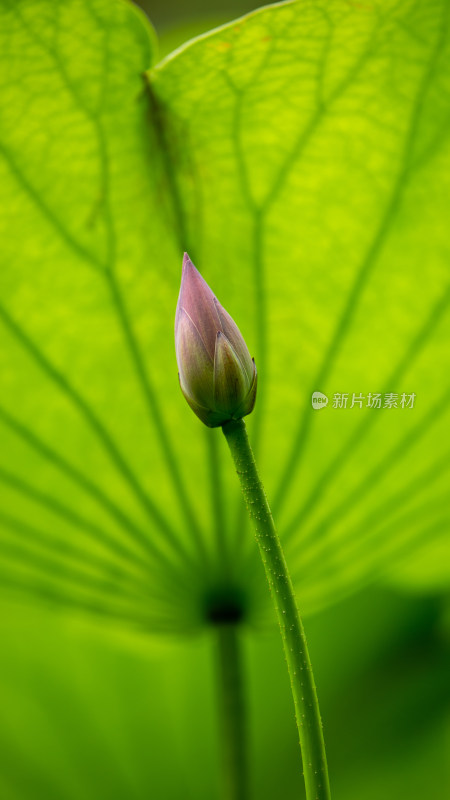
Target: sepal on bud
{"points": [[217, 374]]}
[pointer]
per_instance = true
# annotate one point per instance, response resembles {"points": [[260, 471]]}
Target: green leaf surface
{"points": [[301, 155]]}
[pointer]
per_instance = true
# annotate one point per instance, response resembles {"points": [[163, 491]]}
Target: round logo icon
{"points": [[319, 400]]}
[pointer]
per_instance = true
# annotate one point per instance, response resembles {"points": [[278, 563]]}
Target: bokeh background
{"points": [[176, 22], [92, 709]]}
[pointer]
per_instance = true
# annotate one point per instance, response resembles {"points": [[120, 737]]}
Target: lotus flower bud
{"points": [[217, 374]]}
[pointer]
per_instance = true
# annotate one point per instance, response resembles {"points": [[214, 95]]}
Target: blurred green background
{"points": [[108, 666], [176, 22]]}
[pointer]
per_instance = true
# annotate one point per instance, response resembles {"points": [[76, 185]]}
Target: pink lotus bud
{"points": [[217, 374]]}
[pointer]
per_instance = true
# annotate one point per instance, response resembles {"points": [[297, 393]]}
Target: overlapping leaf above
{"points": [[302, 156]]}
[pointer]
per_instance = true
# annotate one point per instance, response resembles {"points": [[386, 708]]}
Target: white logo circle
{"points": [[319, 400]]}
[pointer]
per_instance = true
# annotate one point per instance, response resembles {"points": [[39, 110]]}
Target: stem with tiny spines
{"points": [[307, 713]]}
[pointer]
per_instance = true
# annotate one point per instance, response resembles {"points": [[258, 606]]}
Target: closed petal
{"points": [[231, 384], [197, 300], [247, 406], [202, 413], [195, 366], [234, 336]]}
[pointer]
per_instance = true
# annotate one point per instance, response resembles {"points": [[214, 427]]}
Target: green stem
{"points": [[307, 713], [232, 714]]}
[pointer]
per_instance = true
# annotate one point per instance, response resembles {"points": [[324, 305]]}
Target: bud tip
{"points": [[217, 374]]}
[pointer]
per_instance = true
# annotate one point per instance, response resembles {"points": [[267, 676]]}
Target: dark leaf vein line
{"points": [[329, 475], [381, 470], [71, 554], [377, 244], [384, 513], [108, 272]]}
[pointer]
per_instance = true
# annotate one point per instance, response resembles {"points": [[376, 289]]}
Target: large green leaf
{"points": [[301, 155]]}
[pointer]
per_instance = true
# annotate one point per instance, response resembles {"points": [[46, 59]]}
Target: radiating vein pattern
{"points": [[302, 156]]}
